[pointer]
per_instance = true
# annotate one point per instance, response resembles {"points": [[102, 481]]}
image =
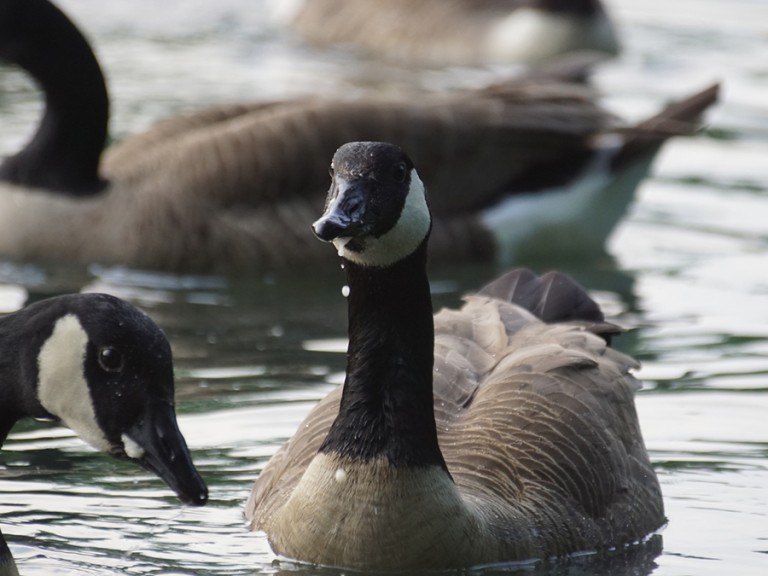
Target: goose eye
{"points": [[399, 172], [110, 359]]}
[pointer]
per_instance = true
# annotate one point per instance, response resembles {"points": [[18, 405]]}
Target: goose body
{"points": [[233, 188], [502, 431], [104, 369], [451, 32]]}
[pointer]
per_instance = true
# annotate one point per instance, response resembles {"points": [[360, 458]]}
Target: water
{"points": [[689, 270]]}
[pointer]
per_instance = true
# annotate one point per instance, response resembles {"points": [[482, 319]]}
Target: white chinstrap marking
{"points": [[62, 389], [132, 448], [402, 240]]}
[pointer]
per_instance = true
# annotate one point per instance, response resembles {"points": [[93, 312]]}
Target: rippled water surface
{"points": [[688, 270]]}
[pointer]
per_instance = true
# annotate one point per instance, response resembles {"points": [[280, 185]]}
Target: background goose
{"points": [[104, 369], [521, 440], [457, 31], [229, 189]]}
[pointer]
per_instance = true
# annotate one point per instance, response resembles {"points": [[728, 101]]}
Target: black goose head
{"points": [[105, 369], [376, 211]]}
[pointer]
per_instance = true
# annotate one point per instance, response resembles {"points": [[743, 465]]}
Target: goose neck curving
{"points": [[64, 152]]}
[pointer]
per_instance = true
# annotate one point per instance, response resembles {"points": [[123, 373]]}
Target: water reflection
{"points": [[246, 378], [637, 561]]}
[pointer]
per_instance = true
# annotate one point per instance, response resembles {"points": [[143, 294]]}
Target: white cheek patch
{"points": [[402, 240], [62, 389]]}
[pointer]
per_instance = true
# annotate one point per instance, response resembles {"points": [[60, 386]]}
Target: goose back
{"points": [[252, 175], [459, 31], [508, 132]]}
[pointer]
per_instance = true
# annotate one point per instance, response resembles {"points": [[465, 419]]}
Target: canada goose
{"points": [[104, 369], [457, 31], [501, 432], [227, 189]]}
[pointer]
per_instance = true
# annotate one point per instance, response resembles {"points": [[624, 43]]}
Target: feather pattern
{"points": [[536, 423]]}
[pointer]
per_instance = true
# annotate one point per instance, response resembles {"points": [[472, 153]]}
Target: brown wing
{"points": [[129, 158], [471, 147], [247, 182], [543, 427]]}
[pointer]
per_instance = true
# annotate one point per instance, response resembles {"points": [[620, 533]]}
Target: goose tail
{"points": [[553, 297], [678, 118]]}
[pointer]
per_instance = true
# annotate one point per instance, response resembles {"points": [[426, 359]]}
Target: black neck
{"points": [[63, 155], [387, 406]]}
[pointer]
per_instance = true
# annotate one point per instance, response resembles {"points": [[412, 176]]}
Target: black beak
{"points": [[344, 217], [166, 454]]}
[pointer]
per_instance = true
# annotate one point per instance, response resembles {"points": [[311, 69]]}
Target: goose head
{"points": [[376, 210], [104, 369]]}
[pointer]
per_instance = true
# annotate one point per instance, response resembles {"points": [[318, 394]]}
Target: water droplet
{"points": [[345, 291], [277, 331], [341, 475], [341, 252]]}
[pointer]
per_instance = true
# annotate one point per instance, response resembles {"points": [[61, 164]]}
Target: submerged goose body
{"points": [[229, 189], [458, 31], [104, 369], [502, 431]]}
